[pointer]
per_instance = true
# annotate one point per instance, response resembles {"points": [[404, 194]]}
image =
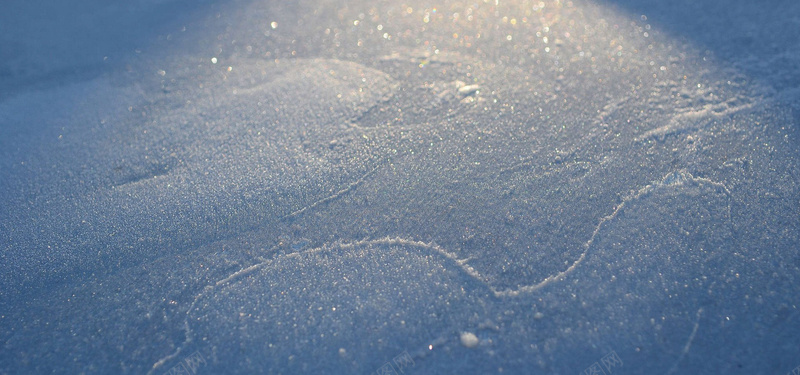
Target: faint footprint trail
{"points": [[678, 178], [688, 342], [696, 116], [425, 248], [671, 179], [350, 187]]}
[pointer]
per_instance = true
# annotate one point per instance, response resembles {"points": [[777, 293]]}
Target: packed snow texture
{"points": [[316, 187]]}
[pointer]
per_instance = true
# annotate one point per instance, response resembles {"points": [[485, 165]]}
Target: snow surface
{"points": [[318, 187]]}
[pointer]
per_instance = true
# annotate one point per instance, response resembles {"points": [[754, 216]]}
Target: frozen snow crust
{"points": [[311, 187]]}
